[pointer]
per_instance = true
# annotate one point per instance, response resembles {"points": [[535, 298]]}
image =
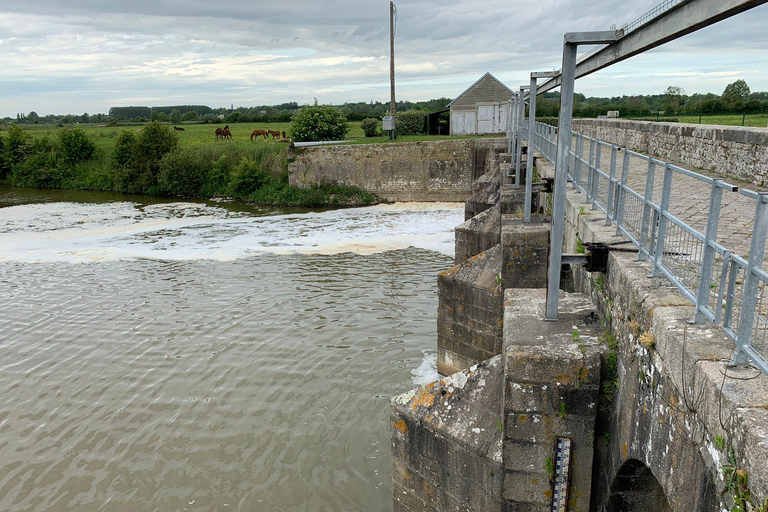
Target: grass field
{"points": [[753, 120], [201, 135]]}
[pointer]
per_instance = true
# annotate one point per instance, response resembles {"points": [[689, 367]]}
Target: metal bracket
{"points": [[594, 260]]}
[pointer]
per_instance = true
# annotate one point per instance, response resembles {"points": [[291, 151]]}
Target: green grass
{"points": [[202, 135], [755, 120]]}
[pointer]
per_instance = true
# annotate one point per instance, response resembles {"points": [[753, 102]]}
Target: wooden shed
{"points": [[482, 108]]}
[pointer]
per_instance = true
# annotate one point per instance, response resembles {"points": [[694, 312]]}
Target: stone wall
{"points": [[673, 409], [734, 151], [413, 171]]}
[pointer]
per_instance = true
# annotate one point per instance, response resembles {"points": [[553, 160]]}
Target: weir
{"points": [[656, 417]]}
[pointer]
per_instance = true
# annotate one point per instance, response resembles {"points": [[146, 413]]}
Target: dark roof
{"points": [[477, 82]]}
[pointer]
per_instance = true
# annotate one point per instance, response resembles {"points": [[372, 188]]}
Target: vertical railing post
{"points": [[577, 163], [564, 141], [609, 207], [708, 256], [588, 194], [621, 197], [751, 281], [596, 176], [529, 163], [661, 234], [519, 147], [509, 127], [568, 75], [647, 207]]}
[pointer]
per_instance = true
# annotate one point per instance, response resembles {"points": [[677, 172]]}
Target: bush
{"points": [[371, 127], [122, 151], [320, 122], [17, 145], [183, 172], [248, 177], [410, 122], [75, 146], [152, 143]]}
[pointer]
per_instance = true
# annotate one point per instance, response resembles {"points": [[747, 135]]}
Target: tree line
{"points": [[737, 98]]}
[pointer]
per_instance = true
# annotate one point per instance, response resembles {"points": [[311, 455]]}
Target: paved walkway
{"points": [[690, 197]]}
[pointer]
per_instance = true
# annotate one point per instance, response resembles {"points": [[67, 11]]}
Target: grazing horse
{"points": [[283, 133], [219, 133], [178, 129], [226, 134], [256, 134], [274, 133]]}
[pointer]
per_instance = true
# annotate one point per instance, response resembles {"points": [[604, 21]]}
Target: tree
{"points": [[175, 116], [32, 117], [672, 98], [189, 115], [735, 95]]}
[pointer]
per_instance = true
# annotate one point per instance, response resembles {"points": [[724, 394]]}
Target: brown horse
{"points": [[256, 134], [178, 129], [274, 133], [226, 134], [219, 133]]}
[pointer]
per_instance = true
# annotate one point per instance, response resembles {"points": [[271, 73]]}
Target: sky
{"points": [[76, 56]]}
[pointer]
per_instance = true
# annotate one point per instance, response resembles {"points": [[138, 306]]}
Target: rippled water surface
{"points": [[192, 356]]}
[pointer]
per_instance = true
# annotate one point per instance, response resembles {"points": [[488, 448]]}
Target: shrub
{"points": [[371, 127], [75, 146], [183, 172], [4, 166], [17, 145], [410, 122], [247, 177], [154, 142], [320, 122]]}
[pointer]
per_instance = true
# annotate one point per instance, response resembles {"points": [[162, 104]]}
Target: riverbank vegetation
{"points": [[157, 160]]}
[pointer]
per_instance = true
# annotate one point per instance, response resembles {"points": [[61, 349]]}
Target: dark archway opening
{"points": [[635, 489]]}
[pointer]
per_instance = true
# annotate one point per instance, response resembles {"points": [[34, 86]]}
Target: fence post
{"points": [[509, 127], [588, 194], [577, 163], [561, 178], [610, 212], [647, 198], [708, 257], [529, 163], [751, 282], [519, 148], [661, 234], [621, 196], [596, 176]]}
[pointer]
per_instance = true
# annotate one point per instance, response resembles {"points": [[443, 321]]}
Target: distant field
{"points": [[204, 134], [754, 120]]}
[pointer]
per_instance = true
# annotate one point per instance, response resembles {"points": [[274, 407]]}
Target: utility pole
{"points": [[392, 57]]}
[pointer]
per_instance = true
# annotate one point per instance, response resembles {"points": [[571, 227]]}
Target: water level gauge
{"points": [[562, 475]]}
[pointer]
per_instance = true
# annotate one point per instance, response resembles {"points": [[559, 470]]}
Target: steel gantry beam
{"points": [[679, 21]]}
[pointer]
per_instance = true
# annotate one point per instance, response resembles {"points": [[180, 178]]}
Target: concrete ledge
{"points": [[446, 444], [478, 234], [552, 378], [524, 246]]}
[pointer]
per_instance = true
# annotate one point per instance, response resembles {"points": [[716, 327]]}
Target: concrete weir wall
{"points": [[413, 171], [735, 151], [656, 419]]}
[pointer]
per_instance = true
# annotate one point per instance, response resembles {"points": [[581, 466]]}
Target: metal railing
{"points": [[724, 287]]}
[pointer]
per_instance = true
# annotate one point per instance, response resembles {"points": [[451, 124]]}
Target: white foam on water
{"points": [[86, 232], [427, 370]]}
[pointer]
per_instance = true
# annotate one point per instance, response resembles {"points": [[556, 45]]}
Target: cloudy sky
{"points": [[75, 56]]}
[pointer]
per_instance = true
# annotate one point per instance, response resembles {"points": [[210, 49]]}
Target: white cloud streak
{"points": [[88, 55]]}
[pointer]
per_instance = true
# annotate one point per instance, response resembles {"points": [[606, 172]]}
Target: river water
{"points": [[162, 356]]}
